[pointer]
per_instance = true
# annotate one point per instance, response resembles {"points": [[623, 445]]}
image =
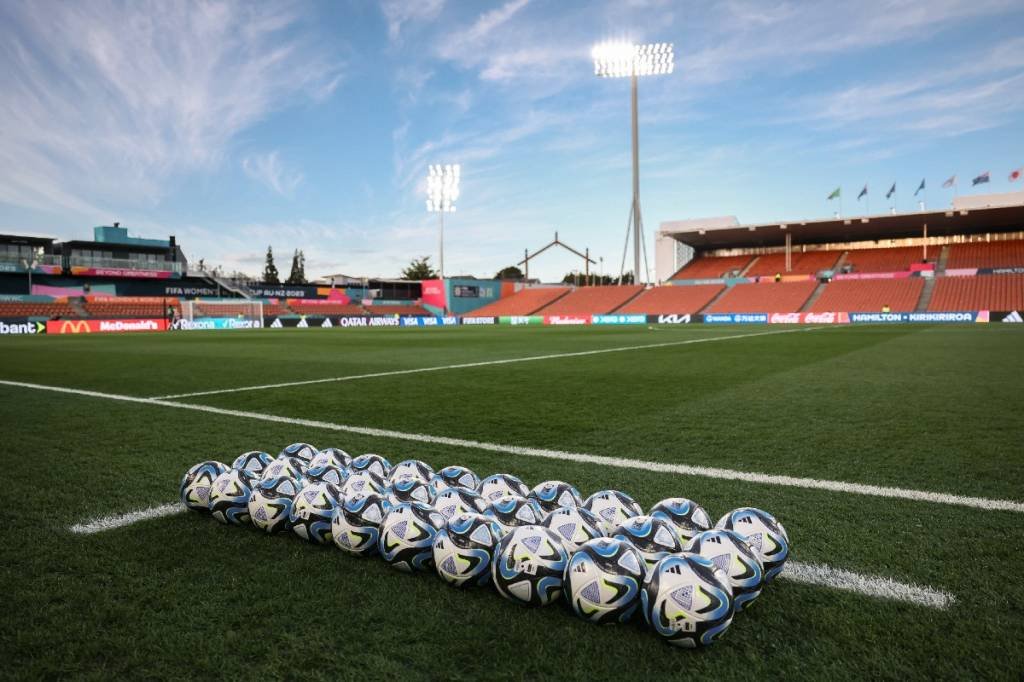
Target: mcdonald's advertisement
{"points": [[104, 326]]}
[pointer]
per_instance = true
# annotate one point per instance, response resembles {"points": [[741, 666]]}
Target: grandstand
{"points": [[52, 310], [995, 254], [809, 263], [525, 302], [592, 300], [982, 292], [782, 297], [894, 259], [129, 307], [712, 267], [397, 310], [869, 295], [666, 300]]}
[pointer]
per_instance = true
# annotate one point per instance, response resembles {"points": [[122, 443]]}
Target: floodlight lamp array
{"points": [[442, 187], [622, 60]]}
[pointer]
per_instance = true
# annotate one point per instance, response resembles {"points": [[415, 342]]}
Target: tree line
{"points": [[297, 274]]}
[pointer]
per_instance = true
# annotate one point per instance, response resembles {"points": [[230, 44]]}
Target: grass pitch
{"points": [[929, 408]]}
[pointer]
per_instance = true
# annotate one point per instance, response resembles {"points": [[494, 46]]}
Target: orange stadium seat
{"points": [[326, 308], [711, 267], [276, 309], [783, 297], [113, 308], [525, 302], [667, 300], [809, 263], [397, 310], [1005, 254], [896, 259], [869, 295], [984, 292], [592, 300], [19, 309]]}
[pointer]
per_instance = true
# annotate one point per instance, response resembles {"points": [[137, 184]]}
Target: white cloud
{"points": [[398, 13], [268, 170]]}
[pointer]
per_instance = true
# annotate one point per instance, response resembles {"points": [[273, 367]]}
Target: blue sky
{"points": [[238, 125]]}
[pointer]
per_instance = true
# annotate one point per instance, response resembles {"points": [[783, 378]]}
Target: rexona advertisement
{"points": [[90, 326], [736, 318], [211, 323], [618, 319], [19, 326]]}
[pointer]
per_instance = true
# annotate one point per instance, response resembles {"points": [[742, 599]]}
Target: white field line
{"points": [[485, 363], [874, 586], [619, 462], [811, 574], [122, 520]]}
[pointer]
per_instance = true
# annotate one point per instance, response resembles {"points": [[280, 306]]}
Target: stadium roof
{"points": [[964, 218]]}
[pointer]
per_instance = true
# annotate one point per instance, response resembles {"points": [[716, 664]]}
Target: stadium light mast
{"points": [[622, 60], [442, 192]]}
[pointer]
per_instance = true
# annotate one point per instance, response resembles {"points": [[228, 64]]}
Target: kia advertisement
{"points": [[104, 326], [674, 318]]}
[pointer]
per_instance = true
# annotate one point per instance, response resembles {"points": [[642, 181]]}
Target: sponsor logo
{"points": [[276, 324], [327, 323], [736, 318], [566, 319], [618, 319], [521, 319], [479, 320], [21, 328], [418, 321], [784, 318], [888, 318], [208, 323], [89, 326], [809, 318], [1013, 317], [1007, 271], [669, 319]]}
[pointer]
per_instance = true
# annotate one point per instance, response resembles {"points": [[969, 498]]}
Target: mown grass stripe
{"points": [[620, 462]]}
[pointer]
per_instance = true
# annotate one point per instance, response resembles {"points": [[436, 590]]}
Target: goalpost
{"points": [[235, 312]]}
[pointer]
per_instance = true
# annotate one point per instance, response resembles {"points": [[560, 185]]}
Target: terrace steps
{"points": [[926, 295], [628, 300], [815, 295]]}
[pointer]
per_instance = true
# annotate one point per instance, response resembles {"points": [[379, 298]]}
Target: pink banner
{"points": [[961, 272], [122, 272], [566, 319], [434, 293], [90, 326], [874, 275]]}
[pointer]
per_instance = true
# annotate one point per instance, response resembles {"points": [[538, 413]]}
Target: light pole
{"points": [[442, 191], [622, 60]]}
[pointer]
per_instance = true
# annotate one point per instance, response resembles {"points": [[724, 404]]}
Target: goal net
{"points": [[242, 312]]}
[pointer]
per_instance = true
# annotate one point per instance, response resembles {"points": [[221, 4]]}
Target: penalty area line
{"points": [[523, 451], [809, 574], [483, 363]]}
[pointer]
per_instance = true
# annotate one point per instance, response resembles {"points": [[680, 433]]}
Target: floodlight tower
{"points": [[442, 191], [621, 60]]}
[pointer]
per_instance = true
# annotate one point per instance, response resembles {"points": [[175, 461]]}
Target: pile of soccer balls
{"points": [[604, 554]]}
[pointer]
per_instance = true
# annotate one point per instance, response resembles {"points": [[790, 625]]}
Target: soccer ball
{"points": [[603, 580], [285, 466], [551, 495], [454, 476], [499, 485], [574, 525], [412, 467], [229, 496], [655, 538], [364, 482], [510, 511], [612, 508], [464, 548], [407, 536], [197, 482], [255, 462], [529, 564], [732, 553], [409, 488], [313, 510], [688, 517], [356, 524], [327, 473], [270, 505], [375, 464], [303, 451], [687, 600], [458, 500], [333, 456], [764, 533]]}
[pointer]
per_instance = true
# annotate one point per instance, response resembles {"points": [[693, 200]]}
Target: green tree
{"points": [[270, 275], [511, 272], [419, 269], [298, 273]]}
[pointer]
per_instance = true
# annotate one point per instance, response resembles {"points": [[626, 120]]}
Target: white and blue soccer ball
{"points": [[452, 501], [499, 485], [454, 476], [688, 517], [327, 473], [687, 600], [333, 456], [313, 512], [374, 464], [612, 508], [356, 523], [511, 511], [255, 462], [764, 533], [229, 496], [733, 554], [364, 482], [409, 488], [654, 537], [407, 536], [292, 467], [303, 451], [603, 580], [412, 467], [574, 525], [270, 505], [197, 483], [551, 495], [529, 565], [464, 549]]}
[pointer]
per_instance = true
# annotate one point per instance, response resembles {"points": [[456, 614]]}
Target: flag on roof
{"points": [[919, 187], [949, 183], [981, 179], [892, 190], [1015, 174], [862, 192], [834, 195]]}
